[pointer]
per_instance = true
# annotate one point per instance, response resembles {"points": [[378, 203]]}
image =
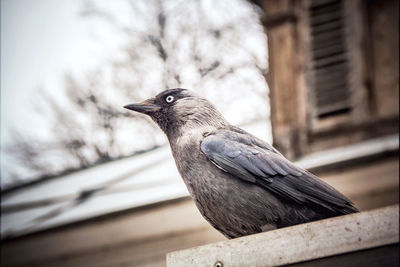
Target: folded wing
{"points": [[243, 156]]}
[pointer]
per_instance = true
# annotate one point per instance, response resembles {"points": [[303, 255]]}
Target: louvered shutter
{"points": [[329, 58]]}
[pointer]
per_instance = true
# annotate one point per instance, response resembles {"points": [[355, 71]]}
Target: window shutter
{"points": [[329, 58]]}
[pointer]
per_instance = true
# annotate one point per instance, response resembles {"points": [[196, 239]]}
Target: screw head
{"points": [[218, 264]]}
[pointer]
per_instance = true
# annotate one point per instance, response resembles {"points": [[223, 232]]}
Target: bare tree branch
{"points": [[178, 38]]}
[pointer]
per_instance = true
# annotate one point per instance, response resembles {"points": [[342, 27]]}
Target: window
{"points": [[329, 60]]}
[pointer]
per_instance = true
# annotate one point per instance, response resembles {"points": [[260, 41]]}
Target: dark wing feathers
{"points": [[229, 165], [257, 161], [246, 157]]}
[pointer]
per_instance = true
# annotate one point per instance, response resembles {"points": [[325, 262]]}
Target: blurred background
{"points": [[86, 183]]}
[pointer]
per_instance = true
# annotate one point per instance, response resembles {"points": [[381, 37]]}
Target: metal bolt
{"points": [[218, 264]]}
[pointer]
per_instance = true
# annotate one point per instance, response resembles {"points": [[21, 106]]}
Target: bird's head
{"points": [[177, 110]]}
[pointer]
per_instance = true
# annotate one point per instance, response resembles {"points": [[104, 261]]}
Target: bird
{"points": [[240, 184]]}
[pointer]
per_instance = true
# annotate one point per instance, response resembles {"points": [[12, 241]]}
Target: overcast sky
{"points": [[42, 40]]}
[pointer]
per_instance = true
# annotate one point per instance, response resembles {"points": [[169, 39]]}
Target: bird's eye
{"points": [[169, 99]]}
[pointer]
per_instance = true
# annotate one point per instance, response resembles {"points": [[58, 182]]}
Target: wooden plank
{"points": [[366, 181], [376, 257], [299, 243], [384, 55], [146, 253], [148, 224], [284, 89]]}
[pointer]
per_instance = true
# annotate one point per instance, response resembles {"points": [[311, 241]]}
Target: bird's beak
{"points": [[147, 106]]}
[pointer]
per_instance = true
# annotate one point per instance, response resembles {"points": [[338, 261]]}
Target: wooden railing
{"points": [[370, 238]]}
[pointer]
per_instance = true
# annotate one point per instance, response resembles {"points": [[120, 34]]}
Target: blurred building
{"points": [[334, 72], [334, 98]]}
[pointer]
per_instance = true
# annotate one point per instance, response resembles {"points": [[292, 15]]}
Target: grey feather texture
{"points": [[271, 171], [240, 184]]}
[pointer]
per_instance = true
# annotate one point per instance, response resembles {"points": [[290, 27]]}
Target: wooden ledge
{"points": [[355, 232]]}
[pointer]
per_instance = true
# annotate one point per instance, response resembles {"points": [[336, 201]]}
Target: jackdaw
{"points": [[240, 184]]}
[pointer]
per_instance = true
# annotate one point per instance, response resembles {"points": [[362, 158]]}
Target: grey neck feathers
{"points": [[190, 116]]}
